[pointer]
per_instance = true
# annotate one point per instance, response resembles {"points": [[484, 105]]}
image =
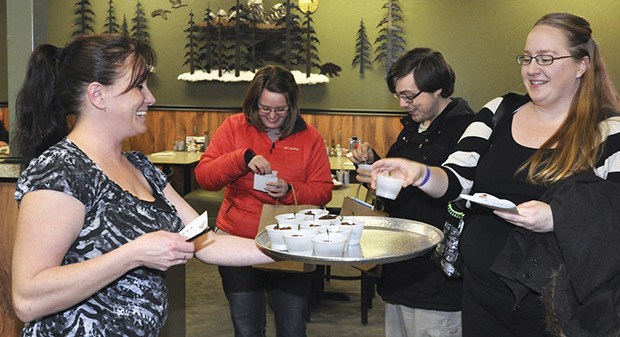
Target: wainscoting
{"points": [[163, 126]]}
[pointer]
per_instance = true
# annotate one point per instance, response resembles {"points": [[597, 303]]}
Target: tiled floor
{"points": [[207, 308]]}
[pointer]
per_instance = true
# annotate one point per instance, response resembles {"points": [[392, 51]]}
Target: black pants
{"points": [[287, 295]]}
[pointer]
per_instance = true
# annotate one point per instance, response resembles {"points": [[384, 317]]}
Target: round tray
{"points": [[384, 240]]}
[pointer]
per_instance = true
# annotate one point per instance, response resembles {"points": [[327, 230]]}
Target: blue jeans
{"points": [[287, 294]]}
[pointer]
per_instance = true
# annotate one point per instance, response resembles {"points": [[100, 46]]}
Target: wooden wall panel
{"points": [[164, 126], [9, 323]]}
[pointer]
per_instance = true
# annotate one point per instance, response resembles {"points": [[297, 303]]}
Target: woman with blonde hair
{"points": [[567, 124]]}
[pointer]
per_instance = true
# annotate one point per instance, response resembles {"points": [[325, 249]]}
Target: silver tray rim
{"points": [[432, 233]]}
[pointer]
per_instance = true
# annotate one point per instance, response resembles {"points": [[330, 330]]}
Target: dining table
{"points": [[179, 167], [341, 163], [353, 190]]}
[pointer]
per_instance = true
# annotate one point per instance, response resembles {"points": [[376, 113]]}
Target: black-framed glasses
{"points": [[542, 60], [407, 98], [266, 110]]}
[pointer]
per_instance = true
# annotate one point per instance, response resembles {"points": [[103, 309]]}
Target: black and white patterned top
{"points": [[136, 303]]}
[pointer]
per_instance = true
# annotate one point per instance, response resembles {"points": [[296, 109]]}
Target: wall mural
{"points": [[228, 46]]}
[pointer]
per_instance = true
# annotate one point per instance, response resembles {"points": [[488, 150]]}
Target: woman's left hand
{"points": [[277, 189], [534, 215]]}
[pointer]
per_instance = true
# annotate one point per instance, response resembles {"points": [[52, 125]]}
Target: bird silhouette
{"points": [[161, 12], [177, 3]]}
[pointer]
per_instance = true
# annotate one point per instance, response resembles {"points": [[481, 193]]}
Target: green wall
{"points": [[3, 56], [480, 38]]}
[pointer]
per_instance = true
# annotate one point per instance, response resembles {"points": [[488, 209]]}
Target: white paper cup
{"points": [[388, 187], [328, 220], [356, 226], [261, 180], [332, 246], [291, 219], [276, 236], [316, 212], [347, 232], [365, 167], [300, 241]]}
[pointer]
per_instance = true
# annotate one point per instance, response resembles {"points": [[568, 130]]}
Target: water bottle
{"points": [[447, 251], [354, 142]]}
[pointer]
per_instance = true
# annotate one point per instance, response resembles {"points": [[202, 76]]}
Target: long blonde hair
{"points": [[577, 140]]}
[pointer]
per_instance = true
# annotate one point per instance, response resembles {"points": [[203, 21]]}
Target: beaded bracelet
{"points": [[426, 178]]}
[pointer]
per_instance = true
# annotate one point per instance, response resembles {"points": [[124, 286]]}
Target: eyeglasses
{"points": [[266, 110], [407, 98], [542, 60]]}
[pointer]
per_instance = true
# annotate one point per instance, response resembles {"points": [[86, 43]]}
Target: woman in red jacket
{"points": [[269, 135]]}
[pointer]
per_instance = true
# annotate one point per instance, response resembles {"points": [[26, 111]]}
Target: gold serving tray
{"points": [[384, 240]]}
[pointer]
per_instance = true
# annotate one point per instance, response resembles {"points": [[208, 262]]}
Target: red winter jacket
{"points": [[300, 159]]}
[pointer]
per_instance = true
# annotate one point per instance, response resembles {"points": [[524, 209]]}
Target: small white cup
{"points": [[328, 220], [356, 226], [261, 180], [300, 241], [291, 219], [330, 246], [365, 167], [276, 236], [314, 212], [347, 232], [388, 187]]}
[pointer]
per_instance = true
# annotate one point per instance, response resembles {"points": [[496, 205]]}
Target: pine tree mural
{"points": [[191, 56], [288, 46], [391, 44], [84, 18], [221, 47], [207, 47], [363, 49], [110, 26], [311, 52], [237, 20], [125, 27], [139, 30], [253, 15], [290, 38]]}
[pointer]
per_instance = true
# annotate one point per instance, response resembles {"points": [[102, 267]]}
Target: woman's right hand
{"points": [[162, 250], [259, 165], [401, 168]]}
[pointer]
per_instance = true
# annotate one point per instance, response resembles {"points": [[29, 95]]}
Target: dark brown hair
{"points": [[275, 79], [430, 71], [57, 79]]}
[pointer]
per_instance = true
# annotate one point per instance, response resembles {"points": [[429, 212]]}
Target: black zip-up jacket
{"points": [[419, 282]]}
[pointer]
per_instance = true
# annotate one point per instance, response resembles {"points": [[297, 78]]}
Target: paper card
{"points": [[196, 227], [260, 180]]}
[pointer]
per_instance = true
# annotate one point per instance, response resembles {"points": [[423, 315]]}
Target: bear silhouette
{"points": [[330, 69]]}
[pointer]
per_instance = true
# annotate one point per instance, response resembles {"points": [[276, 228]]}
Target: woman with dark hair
{"points": [[269, 136], [97, 227], [567, 125]]}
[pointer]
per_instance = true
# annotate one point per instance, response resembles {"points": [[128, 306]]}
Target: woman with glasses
{"points": [[566, 126], [269, 135]]}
